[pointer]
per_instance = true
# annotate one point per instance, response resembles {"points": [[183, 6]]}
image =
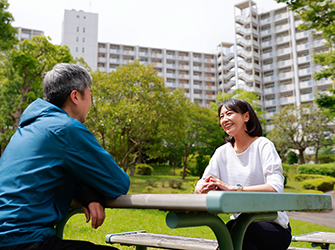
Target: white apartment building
{"points": [[270, 56], [273, 58], [80, 34], [24, 33]]}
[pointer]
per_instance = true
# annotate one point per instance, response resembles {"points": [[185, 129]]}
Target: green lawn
{"points": [[125, 220]]}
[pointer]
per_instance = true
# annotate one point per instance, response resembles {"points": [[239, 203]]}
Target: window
{"points": [[77, 16], [83, 50], [84, 29], [84, 17], [76, 49], [83, 39], [77, 39], [77, 29]]}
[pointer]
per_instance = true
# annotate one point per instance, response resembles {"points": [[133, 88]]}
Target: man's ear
{"points": [[74, 96]]}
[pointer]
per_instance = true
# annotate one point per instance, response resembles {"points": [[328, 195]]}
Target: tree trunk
{"points": [[301, 156], [316, 160]]}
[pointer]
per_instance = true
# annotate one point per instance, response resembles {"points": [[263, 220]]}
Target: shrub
{"points": [[321, 169], [302, 177], [322, 184], [148, 189], [151, 182], [187, 172], [174, 183], [143, 169]]}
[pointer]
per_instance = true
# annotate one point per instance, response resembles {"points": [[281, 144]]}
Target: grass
{"points": [[153, 221]]}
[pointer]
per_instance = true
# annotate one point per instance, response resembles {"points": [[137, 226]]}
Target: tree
{"points": [[319, 17], [299, 128], [7, 34], [21, 78], [128, 107]]}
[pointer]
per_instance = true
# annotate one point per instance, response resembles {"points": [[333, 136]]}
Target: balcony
{"points": [[281, 28], [287, 100], [270, 90], [306, 84], [170, 56], [210, 69], [267, 44], [247, 54], [170, 66], [244, 32], [197, 77], [319, 43], [156, 55], [229, 84], [284, 63], [210, 78], [244, 19], [198, 96], [284, 76], [302, 47], [304, 59], [128, 52], [267, 55], [265, 21], [209, 60], [197, 59], [324, 82], [227, 66], [269, 115], [229, 75], [286, 87], [114, 60], [210, 87], [267, 67], [158, 65], [182, 66], [184, 57], [170, 84], [283, 39], [301, 35], [170, 75], [246, 42], [304, 72], [210, 96], [307, 97], [197, 86], [102, 59], [185, 86], [297, 23], [266, 32], [102, 50], [184, 76], [267, 79], [270, 103], [284, 51], [281, 16], [144, 54]]}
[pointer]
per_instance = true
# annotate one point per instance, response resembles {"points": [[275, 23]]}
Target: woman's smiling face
{"points": [[233, 122]]}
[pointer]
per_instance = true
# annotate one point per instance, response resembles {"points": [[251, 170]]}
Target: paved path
{"points": [[323, 218]]}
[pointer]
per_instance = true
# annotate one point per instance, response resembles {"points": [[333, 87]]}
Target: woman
{"points": [[248, 162]]}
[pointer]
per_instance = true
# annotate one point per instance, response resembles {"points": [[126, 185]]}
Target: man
{"points": [[52, 152]]}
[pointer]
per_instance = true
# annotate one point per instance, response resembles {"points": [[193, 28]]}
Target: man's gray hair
{"points": [[59, 82]]}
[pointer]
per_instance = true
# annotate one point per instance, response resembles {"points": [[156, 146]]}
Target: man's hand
{"points": [[98, 214]]}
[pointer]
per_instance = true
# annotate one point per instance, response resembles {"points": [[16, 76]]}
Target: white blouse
{"points": [[258, 164]]}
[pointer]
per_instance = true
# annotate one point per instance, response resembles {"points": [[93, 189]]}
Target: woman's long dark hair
{"points": [[254, 127]]}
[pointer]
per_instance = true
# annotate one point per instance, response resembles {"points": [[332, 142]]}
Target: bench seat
{"points": [[144, 239]]}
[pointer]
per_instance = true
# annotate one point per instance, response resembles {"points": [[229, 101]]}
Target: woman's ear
{"points": [[246, 116]]}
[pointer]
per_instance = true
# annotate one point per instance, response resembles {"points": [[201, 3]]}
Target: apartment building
{"points": [[80, 34], [25, 33], [273, 58], [195, 72], [270, 56]]}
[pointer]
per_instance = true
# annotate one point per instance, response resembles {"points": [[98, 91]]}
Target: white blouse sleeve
{"points": [[272, 167]]}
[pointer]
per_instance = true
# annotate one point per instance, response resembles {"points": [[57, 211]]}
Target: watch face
{"points": [[239, 185]]}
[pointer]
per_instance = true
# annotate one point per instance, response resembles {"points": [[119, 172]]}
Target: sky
{"points": [[192, 25]]}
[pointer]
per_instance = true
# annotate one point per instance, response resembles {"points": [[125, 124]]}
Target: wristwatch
{"points": [[239, 187]]}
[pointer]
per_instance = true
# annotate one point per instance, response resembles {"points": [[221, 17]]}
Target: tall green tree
{"points": [[128, 107], [300, 128], [8, 32], [319, 17], [21, 78]]}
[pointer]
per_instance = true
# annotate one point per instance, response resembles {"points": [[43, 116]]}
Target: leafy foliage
{"points": [[8, 32]]}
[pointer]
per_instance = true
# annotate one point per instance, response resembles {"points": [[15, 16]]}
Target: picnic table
{"points": [[193, 210]]}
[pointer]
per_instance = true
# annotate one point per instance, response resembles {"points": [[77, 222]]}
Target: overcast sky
{"points": [[193, 25]]}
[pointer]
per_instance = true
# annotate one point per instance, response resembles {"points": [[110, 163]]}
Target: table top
{"points": [[225, 202]]}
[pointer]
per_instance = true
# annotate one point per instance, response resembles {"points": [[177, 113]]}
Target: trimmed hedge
{"points": [[302, 177], [319, 169], [143, 169], [322, 184]]}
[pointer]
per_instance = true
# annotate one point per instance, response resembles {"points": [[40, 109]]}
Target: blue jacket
{"points": [[40, 167]]}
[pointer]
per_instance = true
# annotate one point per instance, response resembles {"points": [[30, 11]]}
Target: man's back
{"points": [[40, 167]]}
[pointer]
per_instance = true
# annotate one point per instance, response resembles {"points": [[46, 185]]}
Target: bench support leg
{"points": [[141, 248], [184, 219], [241, 224], [60, 225]]}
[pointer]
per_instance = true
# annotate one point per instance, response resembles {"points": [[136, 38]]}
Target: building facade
{"points": [[25, 33], [269, 56], [80, 34]]}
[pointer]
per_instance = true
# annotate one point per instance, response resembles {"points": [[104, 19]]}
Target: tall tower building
{"points": [[80, 34]]}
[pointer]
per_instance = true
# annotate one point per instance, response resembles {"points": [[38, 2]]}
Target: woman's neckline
{"points": [[238, 151]]}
